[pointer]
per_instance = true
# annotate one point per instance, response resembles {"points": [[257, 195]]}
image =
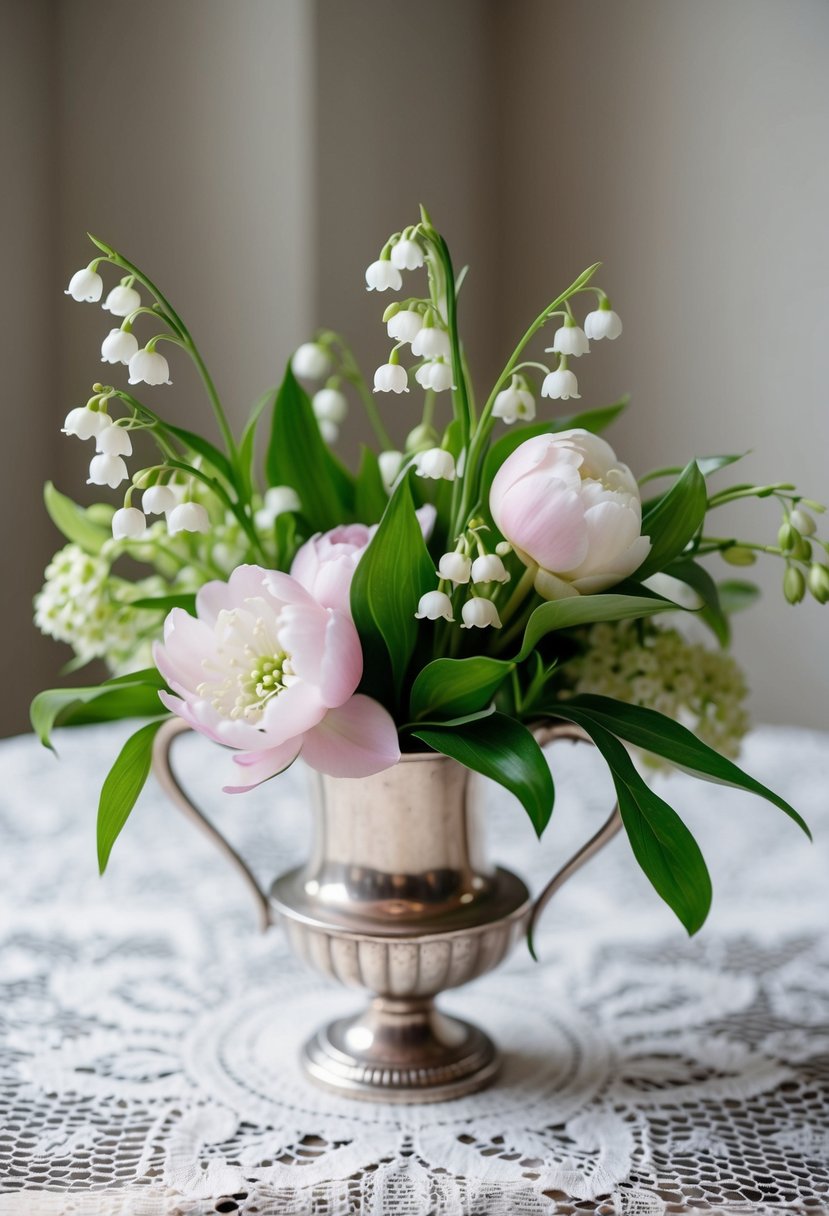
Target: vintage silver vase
{"points": [[397, 898]]}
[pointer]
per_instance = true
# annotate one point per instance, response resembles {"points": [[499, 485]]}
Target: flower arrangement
{"points": [[502, 567]]}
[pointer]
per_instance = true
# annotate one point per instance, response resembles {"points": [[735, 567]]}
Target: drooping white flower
{"points": [[188, 517], [389, 463], [128, 524], [85, 423], [514, 402], [278, 501], [86, 285], [431, 343], [455, 567], [488, 568], [310, 361], [114, 441], [158, 499], [149, 367], [602, 323], [118, 347], [435, 463], [561, 385], [383, 276], [405, 325], [330, 405], [122, 300], [391, 378], [434, 604], [107, 470], [329, 430], [479, 613], [570, 340], [435, 375], [407, 255]]}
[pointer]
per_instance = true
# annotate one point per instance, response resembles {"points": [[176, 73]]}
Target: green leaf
{"points": [[247, 444], [674, 520], [120, 790], [451, 687], [661, 843], [297, 456], [203, 447], [163, 603], [370, 497], [654, 732], [585, 610], [285, 537], [589, 420], [393, 573], [73, 521], [707, 466], [698, 578], [123, 697], [737, 594], [500, 748]]}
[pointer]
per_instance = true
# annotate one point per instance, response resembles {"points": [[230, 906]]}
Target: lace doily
{"points": [[148, 1035]]}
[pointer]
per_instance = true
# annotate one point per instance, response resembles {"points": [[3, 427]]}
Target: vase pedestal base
{"points": [[401, 1051]]}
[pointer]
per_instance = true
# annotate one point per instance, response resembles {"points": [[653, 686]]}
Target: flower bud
{"points": [[803, 522], [188, 517], [389, 463], [794, 585], [435, 463], [503, 548], [434, 604], [455, 567], [488, 568], [310, 361], [815, 506], [802, 550], [423, 436], [738, 555], [818, 580], [479, 613], [786, 536], [128, 524], [330, 405]]}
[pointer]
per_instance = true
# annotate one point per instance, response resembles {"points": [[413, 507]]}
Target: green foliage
{"points": [[737, 594], [586, 610], [697, 577], [247, 444], [451, 687], [132, 696], [370, 497], [706, 464], [120, 790], [73, 521], [674, 520], [163, 603]]}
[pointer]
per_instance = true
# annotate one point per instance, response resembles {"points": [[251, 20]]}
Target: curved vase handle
{"points": [[162, 746], [544, 734]]}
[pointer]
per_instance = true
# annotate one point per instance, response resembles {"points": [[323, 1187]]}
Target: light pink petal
{"points": [[356, 740], [260, 766], [286, 590], [332, 582], [187, 642], [545, 520], [306, 563], [212, 598], [301, 634], [342, 660], [290, 713], [204, 718], [611, 528]]}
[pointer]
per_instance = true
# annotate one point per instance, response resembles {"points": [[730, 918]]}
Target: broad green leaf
{"points": [[588, 420], [203, 447], [73, 521], [737, 594], [451, 687], [661, 843], [297, 456], [163, 603], [707, 466], [120, 790], [586, 610], [390, 578], [500, 748], [370, 497], [698, 578], [674, 520], [122, 697], [653, 732]]}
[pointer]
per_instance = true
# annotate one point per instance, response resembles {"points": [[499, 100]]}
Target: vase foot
{"points": [[401, 1051]]}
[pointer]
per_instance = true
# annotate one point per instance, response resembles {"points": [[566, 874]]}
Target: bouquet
{"points": [[500, 568]]}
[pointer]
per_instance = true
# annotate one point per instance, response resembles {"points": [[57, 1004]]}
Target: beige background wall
{"points": [[254, 155]]}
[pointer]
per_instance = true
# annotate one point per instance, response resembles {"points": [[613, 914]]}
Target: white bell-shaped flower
{"points": [[488, 568], [86, 285], [383, 276], [278, 500], [603, 323], [128, 524], [329, 430], [310, 361], [330, 405], [570, 340], [149, 367], [118, 347], [435, 463], [479, 613], [405, 325], [561, 385], [431, 343], [188, 517], [391, 378], [107, 470], [85, 423], [435, 375], [434, 604], [158, 499], [455, 567], [114, 441], [514, 402], [407, 255], [389, 463], [122, 300]]}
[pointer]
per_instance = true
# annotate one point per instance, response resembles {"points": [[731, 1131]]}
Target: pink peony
{"points": [[268, 670], [568, 506]]}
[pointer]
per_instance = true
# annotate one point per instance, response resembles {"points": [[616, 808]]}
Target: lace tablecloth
{"points": [[148, 1035]]}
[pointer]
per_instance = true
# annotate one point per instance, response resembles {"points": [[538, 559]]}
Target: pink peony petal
{"points": [[289, 714], [244, 582], [342, 660], [356, 740], [261, 766]]}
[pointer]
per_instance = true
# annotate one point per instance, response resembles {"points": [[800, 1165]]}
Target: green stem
{"points": [[520, 593]]}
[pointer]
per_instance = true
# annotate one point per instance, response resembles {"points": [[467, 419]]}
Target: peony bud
{"points": [[310, 361], [188, 517], [603, 323], [794, 585], [330, 404], [436, 464], [455, 567], [818, 580], [434, 604], [149, 367], [128, 524], [122, 300], [107, 470], [158, 499], [488, 568], [85, 285], [383, 276], [479, 613]]}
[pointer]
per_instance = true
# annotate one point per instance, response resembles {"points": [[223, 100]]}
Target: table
{"points": [[148, 1034]]}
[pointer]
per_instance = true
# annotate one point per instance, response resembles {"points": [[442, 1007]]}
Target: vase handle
{"points": [[549, 733], [168, 781]]}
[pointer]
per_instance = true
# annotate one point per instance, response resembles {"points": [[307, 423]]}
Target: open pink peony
{"points": [[269, 671]]}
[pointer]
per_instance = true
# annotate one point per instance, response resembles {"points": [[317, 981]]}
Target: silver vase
{"points": [[399, 899]]}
